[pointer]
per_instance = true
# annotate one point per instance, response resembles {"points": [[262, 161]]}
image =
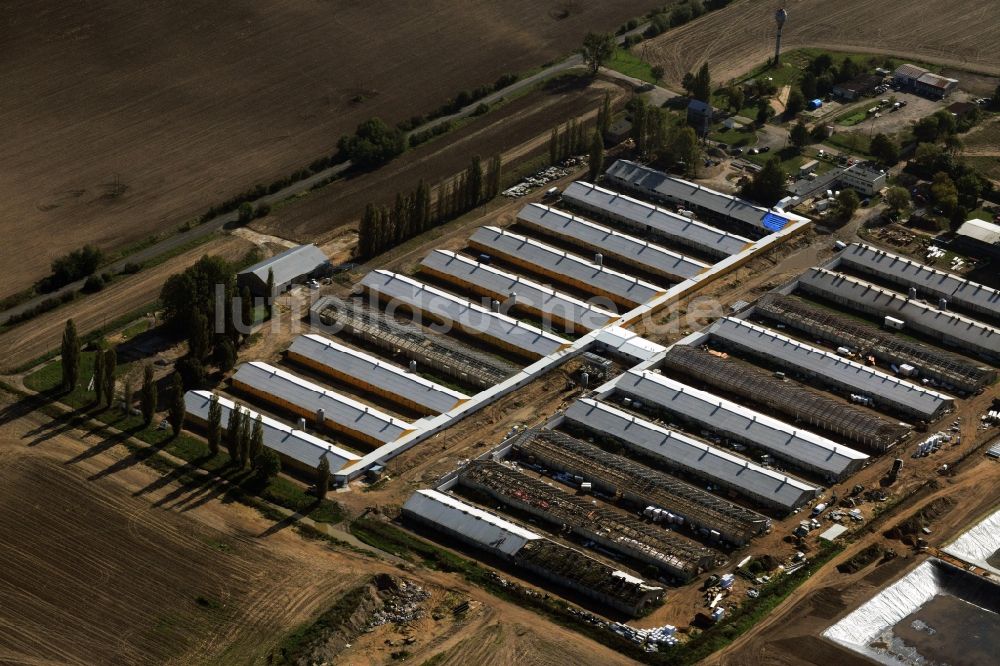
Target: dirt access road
{"points": [[734, 40], [87, 525], [128, 119]]}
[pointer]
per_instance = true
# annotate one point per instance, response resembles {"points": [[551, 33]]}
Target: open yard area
{"points": [[736, 39], [129, 119]]}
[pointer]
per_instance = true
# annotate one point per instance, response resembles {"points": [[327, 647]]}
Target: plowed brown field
{"points": [[187, 103], [961, 34]]}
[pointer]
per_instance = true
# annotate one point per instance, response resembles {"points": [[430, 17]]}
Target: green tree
{"points": [[128, 396], [701, 87], [898, 201], [110, 368], [245, 214], [246, 430], [995, 100], [246, 308], [605, 116], [257, 437], [267, 465], [233, 430], [554, 146], [598, 48], [269, 289], [198, 337], [176, 409], [807, 84], [70, 357], [944, 192], [884, 149], [926, 130], [196, 290], [764, 111], [819, 133], [147, 396], [847, 202], [495, 181], [687, 83], [214, 426], [596, 164], [767, 185], [225, 355], [799, 135], [639, 112], [735, 97], [99, 385], [657, 72], [374, 143], [475, 182], [796, 103], [322, 476]]}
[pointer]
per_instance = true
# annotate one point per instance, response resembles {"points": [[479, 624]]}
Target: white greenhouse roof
{"points": [[677, 228], [563, 266], [471, 522], [501, 284], [800, 447], [469, 317], [628, 343], [346, 362], [972, 335], [339, 411], [875, 383], [981, 230], [629, 249], [702, 460], [295, 444], [927, 280]]}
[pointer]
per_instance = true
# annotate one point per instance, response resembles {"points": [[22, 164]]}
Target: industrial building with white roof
{"points": [[773, 489], [564, 267], [663, 187], [802, 449], [499, 329], [949, 327], [627, 249], [298, 447], [650, 219], [843, 373], [516, 291], [929, 282], [307, 400], [373, 374]]}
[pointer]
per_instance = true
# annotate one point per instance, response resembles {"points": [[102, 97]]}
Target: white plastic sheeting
{"points": [[979, 543]]}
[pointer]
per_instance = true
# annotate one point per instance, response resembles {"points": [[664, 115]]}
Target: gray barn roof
{"points": [[479, 526], [633, 212], [471, 318], [288, 265], [628, 249], [501, 284], [927, 280], [801, 448], [339, 411], [344, 361], [295, 444], [570, 268], [700, 459], [657, 183], [785, 351], [969, 334]]}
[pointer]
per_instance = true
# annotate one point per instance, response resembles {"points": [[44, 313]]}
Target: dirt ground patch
{"points": [[736, 39], [30, 340], [129, 119], [106, 562], [326, 211]]}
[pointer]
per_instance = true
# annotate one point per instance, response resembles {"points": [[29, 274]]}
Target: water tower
{"points": [[779, 16]]}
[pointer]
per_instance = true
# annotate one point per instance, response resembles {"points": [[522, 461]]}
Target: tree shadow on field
{"points": [[112, 440], [172, 475], [202, 488], [289, 520]]}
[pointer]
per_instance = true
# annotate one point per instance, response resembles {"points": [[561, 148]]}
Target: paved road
{"points": [[217, 223]]}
